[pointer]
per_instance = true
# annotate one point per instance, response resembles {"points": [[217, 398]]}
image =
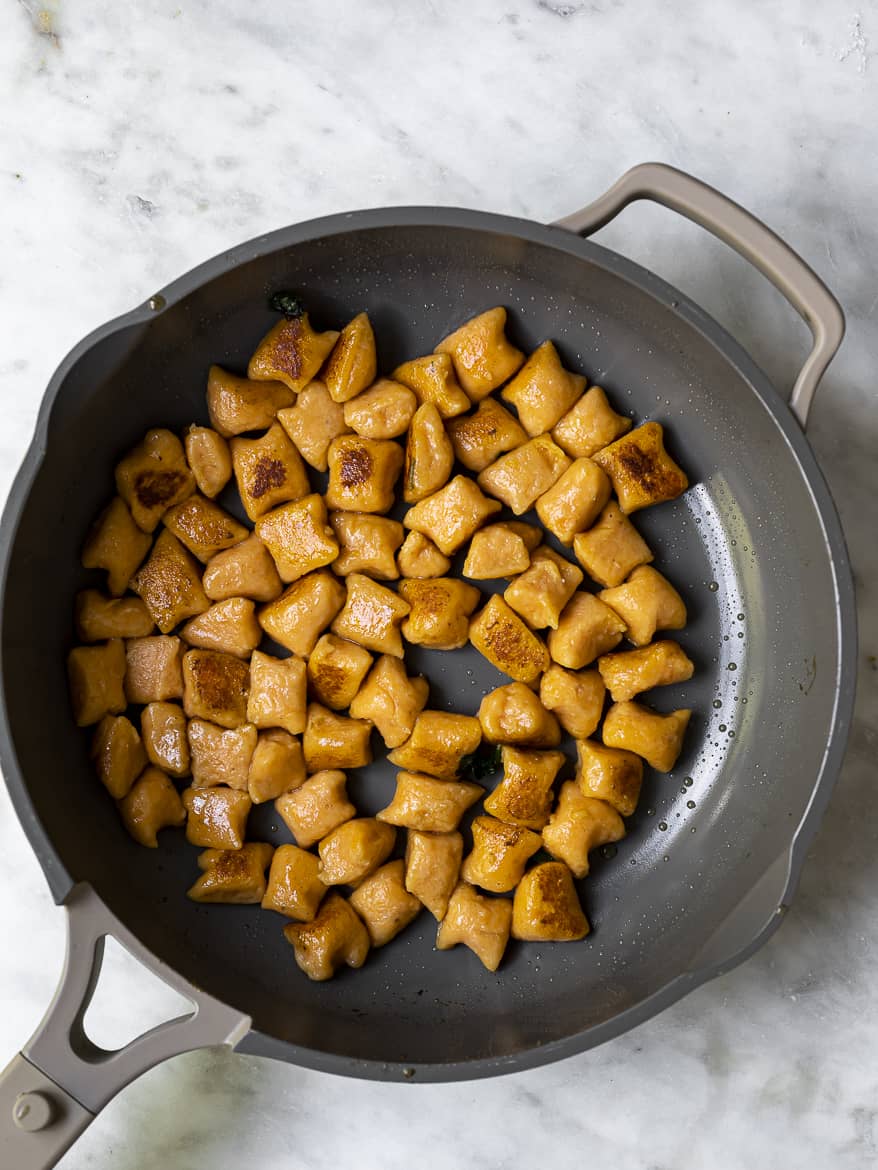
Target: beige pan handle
{"points": [[750, 238], [60, 1080]]}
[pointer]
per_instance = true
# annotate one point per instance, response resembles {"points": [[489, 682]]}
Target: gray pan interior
{"points": [[754, 547]]}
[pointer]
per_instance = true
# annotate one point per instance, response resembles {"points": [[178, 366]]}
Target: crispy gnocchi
{"points": [[246, 629]]}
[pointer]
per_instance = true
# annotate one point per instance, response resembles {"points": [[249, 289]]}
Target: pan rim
{"points": [[675, 302]]}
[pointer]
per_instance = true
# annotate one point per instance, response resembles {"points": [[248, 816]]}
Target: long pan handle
{"points": [[749, 237], [60, 1080]]}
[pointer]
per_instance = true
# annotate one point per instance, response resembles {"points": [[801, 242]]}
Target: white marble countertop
{"points": [[138, 140]]}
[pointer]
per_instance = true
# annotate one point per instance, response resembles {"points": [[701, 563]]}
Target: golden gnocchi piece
{"points": [[362, 474], [391, 700], [609, 774], [437, 744], [150, 805], [642, 471], [629, 672], [292, 352], [578, 825], [513, 714], [541, 592], [215, 687], [432, 866], [543, 391], [520, 477], [546, 906], [316, 807], [293, 888], [524, 795], [153, 669], [97, 617], [234, 877], [229, 626], [204, 527], [440, 612], [419, 558], [434, 383], [115, 544], [371, 616], [220, 755], [336, 937], [163, 727], [313, 422], [246, 570], [500, 853], [118, 753], [612, 548], [575, 501], [429, 457], [335, 741], [299, 537], [276, 766], [576, 698], [277, 695], [589, 425], [209, 458], [336, 670], [268, 471], [587, 629], [169, 582], [657, 738], [154, 476], [502, 637], [495, 551], [353, 362], [480, 923], [236, 405], [96, 678], [451, 515], [531, 534], [646, 602], [367, 544], [483, 356], [486, 434], [384, 411], [299, 616], [353, 850], [217, 817], [384, 904], [427, 804]]}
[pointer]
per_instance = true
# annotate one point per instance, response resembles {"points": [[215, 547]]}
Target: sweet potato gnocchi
{"points": [[244, 634]]}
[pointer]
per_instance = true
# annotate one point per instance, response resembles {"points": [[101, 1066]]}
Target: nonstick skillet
{"points": [[713, 854]]}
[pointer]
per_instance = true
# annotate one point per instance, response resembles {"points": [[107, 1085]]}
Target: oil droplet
{"points": [[692, 830], [157, 302], [733, 666], [609, 851], [740, 617], [666, 858], [743, 698], [713, 586], [688, 781], [663, 825], [717, 703], [723, 727], [740, 633], [731, 735], [690, 804], [650, 812]]}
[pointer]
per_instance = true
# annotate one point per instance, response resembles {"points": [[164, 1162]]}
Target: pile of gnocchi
{"points": [[197, 717]]}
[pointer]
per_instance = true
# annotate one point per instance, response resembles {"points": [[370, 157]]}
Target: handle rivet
{"points": [[32, 1112]]}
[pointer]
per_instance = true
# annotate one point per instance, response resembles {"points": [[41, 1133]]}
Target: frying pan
{"points": [[713, 855]]}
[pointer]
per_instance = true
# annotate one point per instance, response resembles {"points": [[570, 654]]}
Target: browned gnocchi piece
{"points": [[215, 687], [576, 698], [486, 434], [220, 755], [429, 457], [336, 670], [541, 592], [96, 678], [521, 476], [208, 455], [500, 853], [153, 477], [313, 422], [437, 744], [371, 616], [118, 753], [543, 391], [628, 672], [362, 474], [204, 527], [589, 425], [657, 738], [432, 866], [353, 850], [578, 825], [245, 570], [299, 537], [153, 669], [609, 774], [483, 356], [163, 728], [169, 582], [495, 551], [611, 548], [367, 544], [419, 558], [216, 817], [150, 805], [524, 795], [434, 383], [588, 628], [316, 807], [353, 362], [97, 617], [292, 352], [391, 700], [440, 612], [384, 411], [546, 906], [115, 544], [502, 637], [299, 616], [335, 741], [575, 501], [334, 938], [276, 766], [229, 626], [277, 692], [384, 904], [513, 714], [450, 516], [642, 471], [427, 804], [480, 923], [646, 602], [294, 888], [236, 405], [268, 471], [235, 877]]}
